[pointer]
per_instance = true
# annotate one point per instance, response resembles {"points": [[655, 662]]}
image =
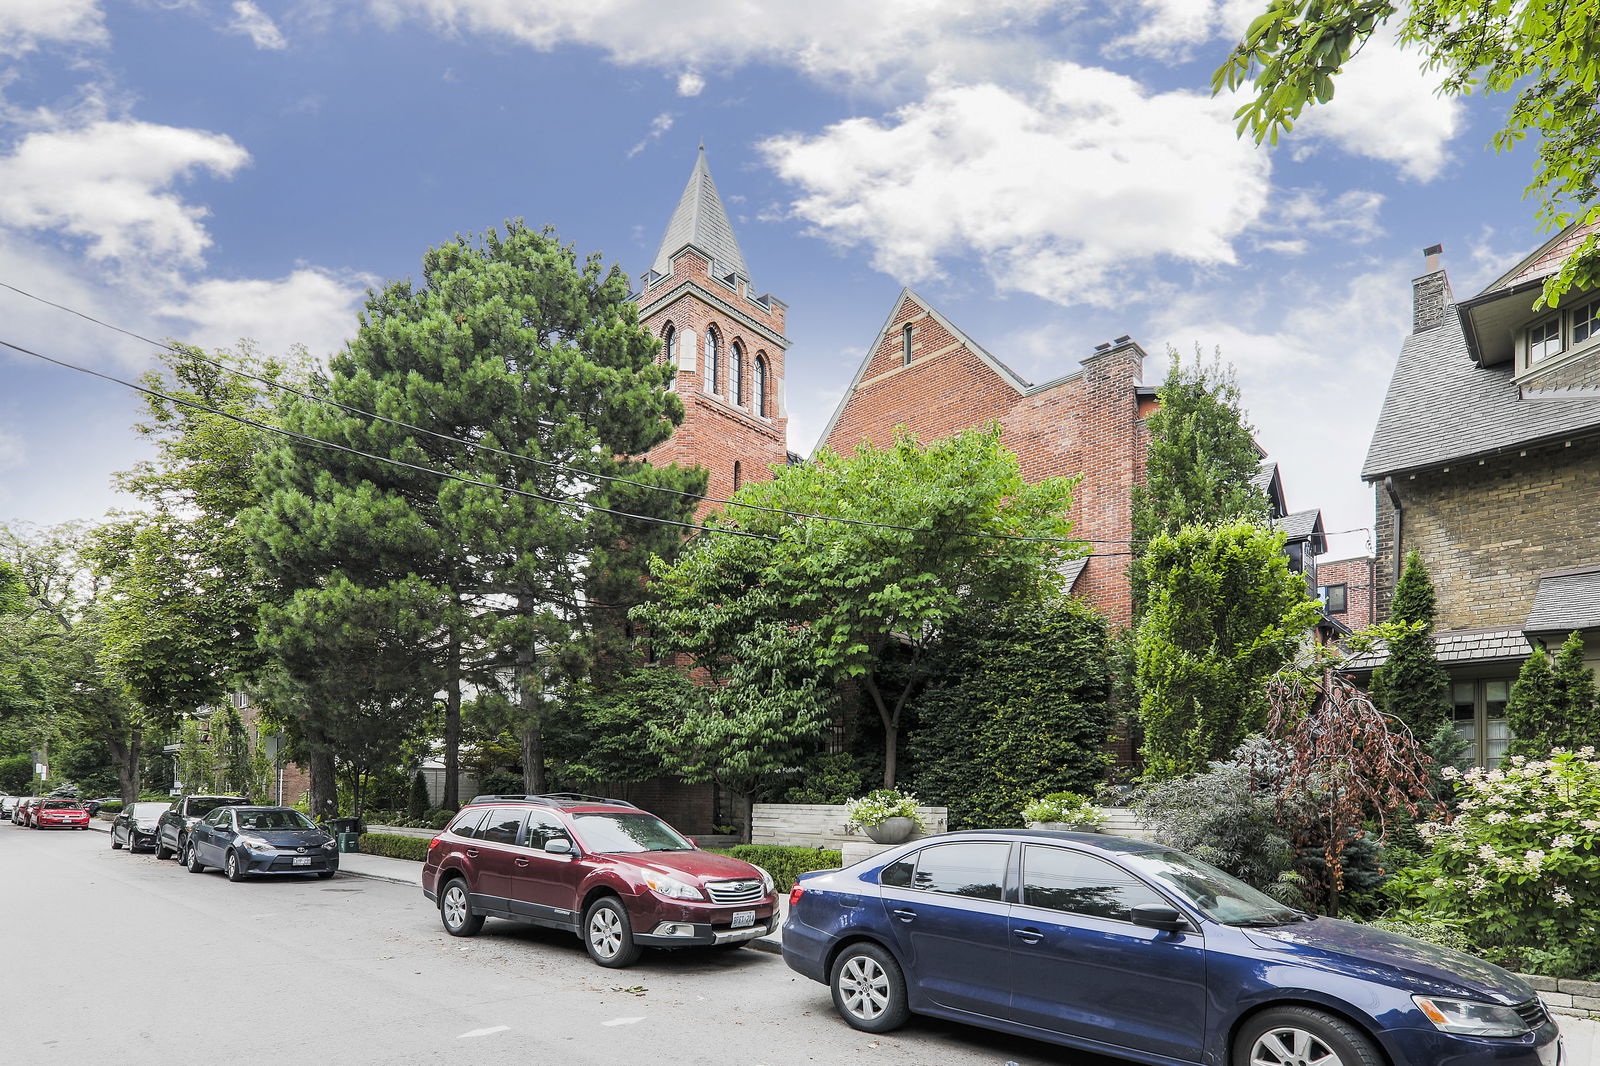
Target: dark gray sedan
{"points": [[243, 841], [135, 824]]}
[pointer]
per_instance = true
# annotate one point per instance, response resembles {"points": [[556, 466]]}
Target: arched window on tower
{"points": [[905, 344], [736, 477], [713, 362], [761, 386], [736, 373], [669, 345]]}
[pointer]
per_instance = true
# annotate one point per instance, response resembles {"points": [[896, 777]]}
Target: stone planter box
{"points": [[1066, 827], [821, 825]]}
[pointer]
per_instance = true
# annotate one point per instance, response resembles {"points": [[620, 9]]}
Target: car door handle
{"points": [[1028, 936], [905, 914], [472, 853], [522, 862]]}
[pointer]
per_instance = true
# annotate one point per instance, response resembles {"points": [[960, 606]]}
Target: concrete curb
{"points": [[377, 877]]}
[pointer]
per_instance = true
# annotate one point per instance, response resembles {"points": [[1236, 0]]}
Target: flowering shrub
{"points": [[1063, 807], [879, 806], [1522, 858]]}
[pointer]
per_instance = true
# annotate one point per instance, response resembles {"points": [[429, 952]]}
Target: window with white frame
{"points": [[1586, 323], [1544, 340]]}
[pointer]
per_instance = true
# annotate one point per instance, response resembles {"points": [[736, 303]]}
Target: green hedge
{"points": [[394, 845], [785, 864]]}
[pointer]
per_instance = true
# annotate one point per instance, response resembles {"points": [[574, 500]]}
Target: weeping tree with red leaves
{"points": [[1351, 767]]}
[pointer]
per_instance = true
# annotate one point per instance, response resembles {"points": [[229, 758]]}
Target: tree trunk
{"points": [[533, 778], [452, 729], [324, 791], [127, 760], [891, 744], [747, 831]]}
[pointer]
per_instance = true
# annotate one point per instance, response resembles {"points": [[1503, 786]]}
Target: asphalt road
{"points": [[111, 959]]}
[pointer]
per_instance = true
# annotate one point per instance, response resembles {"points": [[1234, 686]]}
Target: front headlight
{"points": [[1467, 1017], [670, 887], [767, 887], [146, 827], [257, 844], [331, 846]]}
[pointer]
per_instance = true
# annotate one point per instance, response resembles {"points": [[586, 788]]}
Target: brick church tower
{"points": [[726, 342]]}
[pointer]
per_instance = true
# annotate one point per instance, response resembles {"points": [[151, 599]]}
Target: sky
{"points": [[1050, 174]]}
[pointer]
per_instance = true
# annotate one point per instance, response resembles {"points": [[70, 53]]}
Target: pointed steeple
{"points": [[701, 220]]}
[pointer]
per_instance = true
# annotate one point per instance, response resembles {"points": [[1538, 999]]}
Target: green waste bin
{"points": [[349, 841]]}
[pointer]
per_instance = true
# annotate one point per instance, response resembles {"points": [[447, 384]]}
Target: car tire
{"points": [[162, 851], [869, 991], [232, 866], [191, 860], [323, 875], [1285, 1035], [608, 934], [455, 909], [114, 845]]}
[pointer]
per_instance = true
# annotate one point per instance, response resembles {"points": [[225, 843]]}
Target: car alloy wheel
{"points": [[455, 910], [191, 859], [1299, 1036], [868, 988], [232, 868], [608, 935], [114, 845]]}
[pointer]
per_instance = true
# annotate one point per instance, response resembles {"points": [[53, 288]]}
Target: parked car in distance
{"points": [[8, 806], [618, 877], [24, 809], [54, 812], [1128, 948], [93, 806], [246, 841], [172, 829], [135, 824]]}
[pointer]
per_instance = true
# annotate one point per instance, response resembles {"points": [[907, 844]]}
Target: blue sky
{"points": [[1049, 173]]}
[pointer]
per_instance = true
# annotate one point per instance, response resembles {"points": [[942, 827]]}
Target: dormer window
{"points": [[1544, 340]]}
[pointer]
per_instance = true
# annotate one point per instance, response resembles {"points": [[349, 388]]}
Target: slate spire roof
{"points": [[701, 220]]}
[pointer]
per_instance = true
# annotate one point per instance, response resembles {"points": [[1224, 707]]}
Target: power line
{"points": [[317, 441], [551, 464]]}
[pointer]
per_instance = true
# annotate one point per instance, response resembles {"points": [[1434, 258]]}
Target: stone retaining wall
{"points": [[1566, 996], [821, 825]]}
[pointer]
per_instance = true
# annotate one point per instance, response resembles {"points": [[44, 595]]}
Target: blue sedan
{"points": [[1132, 949], [244, 841]]}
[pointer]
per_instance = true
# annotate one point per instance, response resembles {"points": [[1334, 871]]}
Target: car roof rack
{"points": [[554, 799]]}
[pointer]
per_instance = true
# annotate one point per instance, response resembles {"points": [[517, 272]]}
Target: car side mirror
{"points": [[1158, 916], [558, 846]]}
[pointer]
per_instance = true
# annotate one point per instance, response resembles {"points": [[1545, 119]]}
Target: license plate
{"points": [[743, 918], [306, 861]]}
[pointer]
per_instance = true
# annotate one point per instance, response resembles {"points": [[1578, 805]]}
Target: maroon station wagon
{"points": [[617, 876]]}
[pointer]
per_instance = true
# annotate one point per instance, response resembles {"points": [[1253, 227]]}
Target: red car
{"points": [[25, 807], [618, 877], [51, 813]]}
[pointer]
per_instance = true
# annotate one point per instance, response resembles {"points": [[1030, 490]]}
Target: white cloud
{"points": [[313, 307], [27, 24], [1169, 29], [13, 452], [690, 83], [1057, 193], [1385, 107], [846, 40], [658, 125], [252, 22], [1351, 216], [108, 183]]}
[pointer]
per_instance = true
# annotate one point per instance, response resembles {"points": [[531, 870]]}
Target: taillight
{"points": [[795, 893], [433, 843]]}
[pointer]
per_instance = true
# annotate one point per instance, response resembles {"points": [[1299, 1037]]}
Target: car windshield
{"points": [[199, 807], [611, 833], [148, 810], [282, 818], [61, 805], [1219, 896]]}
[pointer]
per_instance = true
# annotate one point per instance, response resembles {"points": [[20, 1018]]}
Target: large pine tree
{"points": [[511, 343]]}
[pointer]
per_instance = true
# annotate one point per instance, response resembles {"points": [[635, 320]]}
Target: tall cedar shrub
{"points": [[1533, 712], [419, 801], [1411, 685], [1579, 724], [1017, 709], [1223, 613], [1202, 461]]}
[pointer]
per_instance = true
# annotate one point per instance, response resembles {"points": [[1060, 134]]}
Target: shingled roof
{"points": [[1456, 649], [1566, 600], [1443, 407], [701, 220]]}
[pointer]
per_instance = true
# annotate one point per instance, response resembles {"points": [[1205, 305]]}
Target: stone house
{"points": [[1486, 461]]}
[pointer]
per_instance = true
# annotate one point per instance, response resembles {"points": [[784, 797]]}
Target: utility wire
{"points": [[317, 441], [550, 464]]}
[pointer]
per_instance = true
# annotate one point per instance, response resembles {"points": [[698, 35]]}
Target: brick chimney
{"points": [[1430, 294]]}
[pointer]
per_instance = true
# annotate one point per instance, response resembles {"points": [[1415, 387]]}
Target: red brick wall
{"points": [[1088, 424], [716, 432], [1357, 577]]}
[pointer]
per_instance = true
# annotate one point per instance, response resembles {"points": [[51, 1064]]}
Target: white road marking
{"points": [[622, 1021], [484, 1032]]}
